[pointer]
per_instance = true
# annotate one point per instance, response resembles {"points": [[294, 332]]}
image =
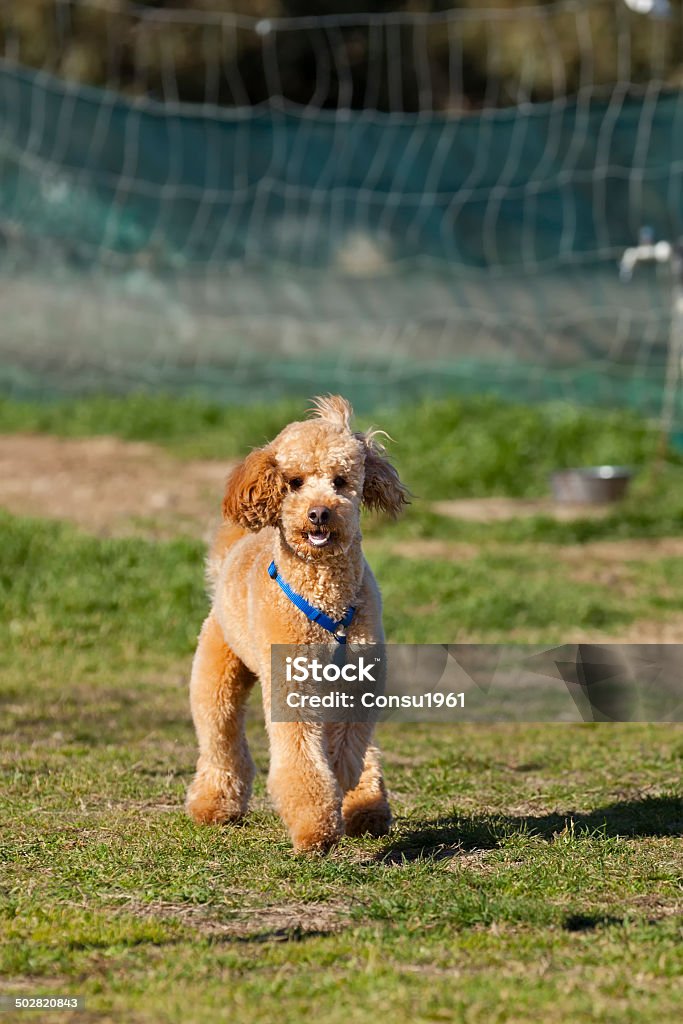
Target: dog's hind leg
{"points": [[219, 689], [366, 807]]}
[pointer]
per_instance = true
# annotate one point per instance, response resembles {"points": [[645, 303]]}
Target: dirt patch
{"points": [[477, 860], [642, 631], [496, 510], [438, 550], [606, 553], [280, 922], [655, 908], [110, 487], [618, 551]]}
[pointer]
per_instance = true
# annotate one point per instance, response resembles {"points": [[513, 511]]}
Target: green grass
{"points": [[534, 872]]}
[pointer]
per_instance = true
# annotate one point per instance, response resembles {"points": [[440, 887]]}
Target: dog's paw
{"points": [[317, 834], [215, 799], [374, 820]]}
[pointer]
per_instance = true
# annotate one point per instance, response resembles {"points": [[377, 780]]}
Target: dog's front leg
{"points": [[219, 689], [303, 786]]}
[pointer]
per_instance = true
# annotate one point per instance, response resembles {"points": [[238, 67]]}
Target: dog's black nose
{"points": [[319, 514]]}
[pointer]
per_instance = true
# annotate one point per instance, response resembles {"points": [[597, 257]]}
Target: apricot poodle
{"points": [[292, 508]]}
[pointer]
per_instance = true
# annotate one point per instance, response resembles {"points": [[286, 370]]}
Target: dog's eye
{"points": [[296, 482], [339, 482]]}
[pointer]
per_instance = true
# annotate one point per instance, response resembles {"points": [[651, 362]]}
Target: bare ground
{"points": [[598, 552], [496, 510], [272, 922], [110, 487]]}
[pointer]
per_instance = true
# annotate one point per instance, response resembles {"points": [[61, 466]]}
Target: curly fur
{"points": [[324, 779], [382, 489], [334, 409], [254, 491]]}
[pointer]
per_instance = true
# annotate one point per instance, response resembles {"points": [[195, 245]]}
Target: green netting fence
{"points": [[256, 251]]}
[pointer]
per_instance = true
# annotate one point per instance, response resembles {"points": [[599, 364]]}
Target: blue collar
{"points": [[337, 629]]}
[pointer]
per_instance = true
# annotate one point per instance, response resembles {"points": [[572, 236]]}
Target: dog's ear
{"points": [[254, 490], [382, 489]]}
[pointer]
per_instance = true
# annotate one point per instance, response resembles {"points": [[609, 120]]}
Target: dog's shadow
{"points": [[447, 837]]}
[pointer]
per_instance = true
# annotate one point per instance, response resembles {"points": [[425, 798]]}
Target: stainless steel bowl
{"points": [[591, 485]]}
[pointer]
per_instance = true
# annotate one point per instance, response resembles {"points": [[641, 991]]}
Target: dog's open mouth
{"points": [[318, 538]]}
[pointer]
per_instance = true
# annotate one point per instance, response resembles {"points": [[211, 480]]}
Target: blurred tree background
{"points": [[226, 51]]}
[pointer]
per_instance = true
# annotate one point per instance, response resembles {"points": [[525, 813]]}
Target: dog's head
{"points": [[312, 480]]}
